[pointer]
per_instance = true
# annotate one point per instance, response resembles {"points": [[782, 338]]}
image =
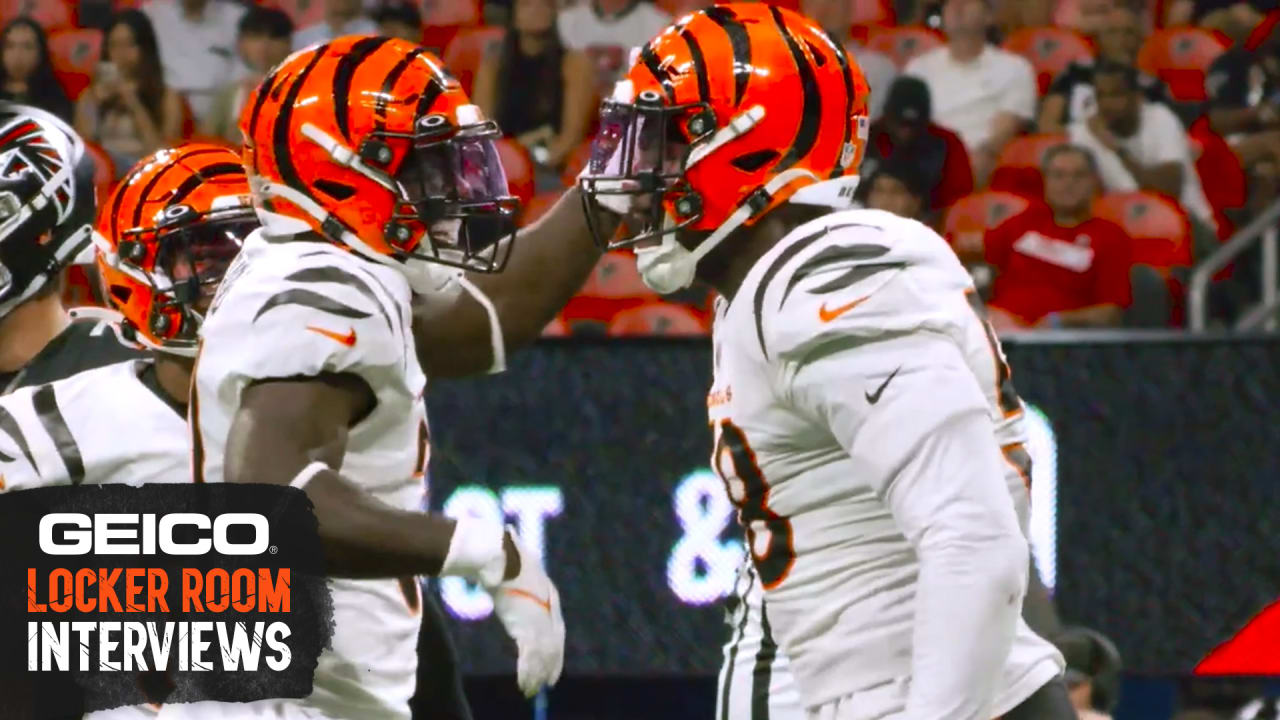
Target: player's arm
{"points": [[508, 310], [284, 426], [928, 450]]}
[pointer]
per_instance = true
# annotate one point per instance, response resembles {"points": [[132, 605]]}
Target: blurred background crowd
{"points": [[1087, 159]]}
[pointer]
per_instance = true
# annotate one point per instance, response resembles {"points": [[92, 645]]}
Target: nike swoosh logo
{"points": [[349, 339], [544, 603], [874, 398], [826, 315]]}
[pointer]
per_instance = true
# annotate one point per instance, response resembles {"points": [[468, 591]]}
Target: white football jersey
{"points": [[99, 426], [868, 294], [300, 309]]}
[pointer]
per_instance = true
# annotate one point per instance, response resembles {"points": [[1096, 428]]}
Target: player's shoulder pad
{"points": [[820, 287], [42, 426], [303, 311]]}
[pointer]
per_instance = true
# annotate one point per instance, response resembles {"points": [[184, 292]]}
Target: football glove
{"points": [[529, 607]]}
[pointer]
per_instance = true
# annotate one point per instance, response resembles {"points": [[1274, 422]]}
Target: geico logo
{"points": [[133, 534]]}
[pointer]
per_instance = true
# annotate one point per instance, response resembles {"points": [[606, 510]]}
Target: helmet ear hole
{"points": [[121, 294], [336, 190], [753, 161]]}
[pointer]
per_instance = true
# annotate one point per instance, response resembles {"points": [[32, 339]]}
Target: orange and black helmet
{"points": [[725, 115], [371, 143], [165, 238]]}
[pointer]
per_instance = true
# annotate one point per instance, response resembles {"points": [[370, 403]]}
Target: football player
{"points": [[163, 241], [386, 217], [855, 383], [46, 210]]}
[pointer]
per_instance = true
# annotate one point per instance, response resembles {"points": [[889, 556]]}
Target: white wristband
{"points": [[476, 552], [304, 476]]}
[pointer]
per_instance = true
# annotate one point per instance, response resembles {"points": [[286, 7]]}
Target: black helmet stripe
{"points": [[650, 60], [205, 174], [699, 64], [843, 60], [741, 43], [389, 84], [346, 69], [281, 133], [811, 111], [146, 191]]}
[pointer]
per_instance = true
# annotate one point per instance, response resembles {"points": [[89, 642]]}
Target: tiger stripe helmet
{"points": [[725, 115], [371, 143], [165, 237]]}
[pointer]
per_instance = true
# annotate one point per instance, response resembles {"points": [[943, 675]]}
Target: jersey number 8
{"points": [[768, 533]]}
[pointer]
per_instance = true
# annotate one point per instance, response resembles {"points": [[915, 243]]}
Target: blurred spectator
{"points": [[1092, 16], [26, 74], [897, 187], [1056, 265], [341, 17], [906, 131], [264, 40], [1018, 14], [980, 91], [1243, 86], [1222, 15], [1093, 670], [879, 69], [400, 20], [1072, 94], [128, 109], [1139, 145], [538, 91], [197, 46], [606, 30]]}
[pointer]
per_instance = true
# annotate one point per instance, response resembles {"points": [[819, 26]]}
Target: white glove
{"points": [[529, 608]]}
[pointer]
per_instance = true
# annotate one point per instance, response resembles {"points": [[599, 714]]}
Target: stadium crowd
{"points": [[1172, 108]]}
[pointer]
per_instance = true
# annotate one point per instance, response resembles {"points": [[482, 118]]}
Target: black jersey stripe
{"points": [[787, 255], [311, 299], [726, 692], [9, 424], [339, 276], [45, 401], [762, 673]]}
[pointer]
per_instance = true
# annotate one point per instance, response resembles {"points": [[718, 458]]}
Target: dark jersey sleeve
{"points": [[84, 345]]}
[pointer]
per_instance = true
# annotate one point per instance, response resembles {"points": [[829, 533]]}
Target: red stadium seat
{"points": [[1018, 168], [1159, 228], [437, 37], [615, 276], [903, 43], [1180, 57], [872, 12], [537, 206], [451, 12], [659, 318], [1049, 50], [519, 167], [77, 287], [104, 171], [982, 211], [303, 12], [574, 163], [680, 8], [50, 14], [556, 328], [467, 49], [75, 54]]}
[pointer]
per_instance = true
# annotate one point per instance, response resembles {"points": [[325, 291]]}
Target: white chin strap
{"points": [[669, 267]]}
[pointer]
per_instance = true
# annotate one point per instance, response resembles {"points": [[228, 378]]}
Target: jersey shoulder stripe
{"points": [[339, 276], [9, 426], [45, 401], [310, 299]]}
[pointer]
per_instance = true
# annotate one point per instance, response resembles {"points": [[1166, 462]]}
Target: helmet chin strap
{"points": [[669, 267]]}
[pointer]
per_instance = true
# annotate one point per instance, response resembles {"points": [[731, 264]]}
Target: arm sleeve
{"points": [[1115, 176], [1169, 137], [1020, 96], [930, 453]]}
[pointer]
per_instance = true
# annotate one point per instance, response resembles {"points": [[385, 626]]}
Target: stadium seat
{"points": [[537, 206], [680, 8], [1159, 228], [1049, 50], [1216, 161], [437, 37], [1018, 168], [556, 328], [1180, 57], [467, 49], [104, 170], [303, 12], [75, 53], [519, 168], [872, 12], [658, 318], [451, 12], [50, 14], [615, 276], [974, 215], [575, 162], [77, 287], [903, 43]]}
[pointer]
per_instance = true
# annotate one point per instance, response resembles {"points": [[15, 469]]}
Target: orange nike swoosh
{"points": [[349, 339], [544, 604], [827, 315]]}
